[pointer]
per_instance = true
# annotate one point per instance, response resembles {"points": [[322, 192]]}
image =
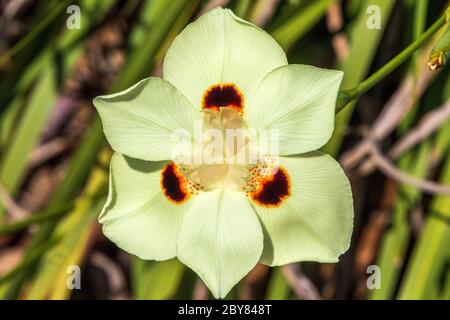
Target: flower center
{"points": [[227, 155], [222, 150]]}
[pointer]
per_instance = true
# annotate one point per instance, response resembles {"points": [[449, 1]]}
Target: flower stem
{"points": [[346, 96], [53, 212], [40, 26]]}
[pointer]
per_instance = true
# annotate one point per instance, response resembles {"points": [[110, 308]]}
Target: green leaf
{"points": [[293, 29], [363, 46], [156, 280]]}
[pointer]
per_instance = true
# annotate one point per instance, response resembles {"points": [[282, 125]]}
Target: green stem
{"points": [[346, 96], [27, 261], [53, 15], [50, 213]]}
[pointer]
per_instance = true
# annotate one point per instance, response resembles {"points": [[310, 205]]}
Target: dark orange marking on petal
{"points": [[173, 184], [223, 95], [272, 190]]}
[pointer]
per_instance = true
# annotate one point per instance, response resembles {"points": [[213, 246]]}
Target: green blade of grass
{"points": [[156, 280], [41, 25], [72, 236], [158, 16], [36, 50], [293, 29], [29, 128], [278, 288], [363, 46], [396, 240], [85, 155], [43, 97], [241, 8], [391, 258], [430, 253], [446, 289]]}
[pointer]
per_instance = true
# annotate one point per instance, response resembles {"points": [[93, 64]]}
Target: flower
{"points": [[222, 218]]}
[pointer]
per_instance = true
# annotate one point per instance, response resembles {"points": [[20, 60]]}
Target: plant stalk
{"points": [[346, 96]]}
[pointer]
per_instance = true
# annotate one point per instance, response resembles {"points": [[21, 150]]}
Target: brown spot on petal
{"points": [[223, 95], [272, 190], [173, 184]]}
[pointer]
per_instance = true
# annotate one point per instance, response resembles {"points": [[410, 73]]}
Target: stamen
{"points": [[270, 191], [174, 186], [223, 95]]}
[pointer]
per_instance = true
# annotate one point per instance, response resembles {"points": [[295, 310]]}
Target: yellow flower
{"points": [[222, 216]]}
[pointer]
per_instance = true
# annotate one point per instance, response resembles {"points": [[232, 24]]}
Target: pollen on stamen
{"points": [[223, 95], [175, 187], [270, 190]]}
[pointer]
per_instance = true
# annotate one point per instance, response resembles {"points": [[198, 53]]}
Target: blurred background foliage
{"points": [[393, 142]]}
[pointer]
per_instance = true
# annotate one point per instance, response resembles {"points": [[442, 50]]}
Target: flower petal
{"points": [[137, 216], [220, 48], [220, 239], [315, 223], [139, 122], [299, 102]]}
